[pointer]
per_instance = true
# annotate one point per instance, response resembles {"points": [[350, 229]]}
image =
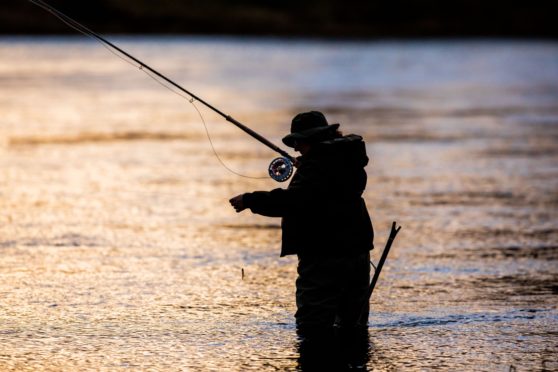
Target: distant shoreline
{"points": [[295, 36], [286, 38], [289, 18]]}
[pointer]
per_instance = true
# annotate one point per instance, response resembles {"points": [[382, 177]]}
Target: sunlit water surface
{"points": [[119, 251]]}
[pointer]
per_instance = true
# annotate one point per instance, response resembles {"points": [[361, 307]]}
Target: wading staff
{"points": [[378, 269], [280, 169]]}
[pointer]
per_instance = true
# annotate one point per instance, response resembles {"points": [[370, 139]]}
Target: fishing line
{"points": [[193, 103], [280, 169], [215, 151]]}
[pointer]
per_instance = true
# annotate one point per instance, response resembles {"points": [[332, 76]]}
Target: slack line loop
{"points": [[280, 169]]}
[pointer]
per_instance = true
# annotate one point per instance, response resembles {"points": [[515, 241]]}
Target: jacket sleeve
{"points": [[274, 203]]}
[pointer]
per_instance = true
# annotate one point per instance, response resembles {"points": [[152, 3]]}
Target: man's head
{"points": [[308, 128]]}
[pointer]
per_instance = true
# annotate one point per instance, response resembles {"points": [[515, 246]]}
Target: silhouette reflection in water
{"points": [[334, 349]]}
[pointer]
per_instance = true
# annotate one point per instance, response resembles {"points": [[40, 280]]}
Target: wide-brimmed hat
{"points": [[308, 126]]}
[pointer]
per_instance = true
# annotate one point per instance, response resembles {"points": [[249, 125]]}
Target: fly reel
{"points": [[280, 169]]}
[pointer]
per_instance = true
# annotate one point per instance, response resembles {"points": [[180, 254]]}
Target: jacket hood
{"points": [[346, 151]]}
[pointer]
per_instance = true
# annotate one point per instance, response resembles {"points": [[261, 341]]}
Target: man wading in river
{"points": [[325, 223]]}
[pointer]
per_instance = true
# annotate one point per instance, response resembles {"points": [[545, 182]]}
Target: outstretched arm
{"points": [[307, 185], [274, 203]]}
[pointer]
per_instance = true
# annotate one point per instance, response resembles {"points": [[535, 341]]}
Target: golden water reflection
{"points": [[119, 250]]}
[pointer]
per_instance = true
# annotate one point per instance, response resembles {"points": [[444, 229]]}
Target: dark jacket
{"points": [[323, 211]]}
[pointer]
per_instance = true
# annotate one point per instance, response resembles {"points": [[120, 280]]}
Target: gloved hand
{"points": [[238, 203]]}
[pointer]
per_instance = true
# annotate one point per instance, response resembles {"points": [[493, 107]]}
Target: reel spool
{"points": [[280, 169]]}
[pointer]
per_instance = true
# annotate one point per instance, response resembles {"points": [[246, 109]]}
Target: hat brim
{"points": [[307, 135]]}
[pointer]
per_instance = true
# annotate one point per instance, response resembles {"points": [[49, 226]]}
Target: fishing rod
{"points": [[280, 169], [378, 269]]}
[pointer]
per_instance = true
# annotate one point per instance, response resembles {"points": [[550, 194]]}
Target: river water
{"points": [[119, 251]]}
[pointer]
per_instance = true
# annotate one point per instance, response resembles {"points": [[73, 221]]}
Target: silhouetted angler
{"points": [[325, 222]]}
